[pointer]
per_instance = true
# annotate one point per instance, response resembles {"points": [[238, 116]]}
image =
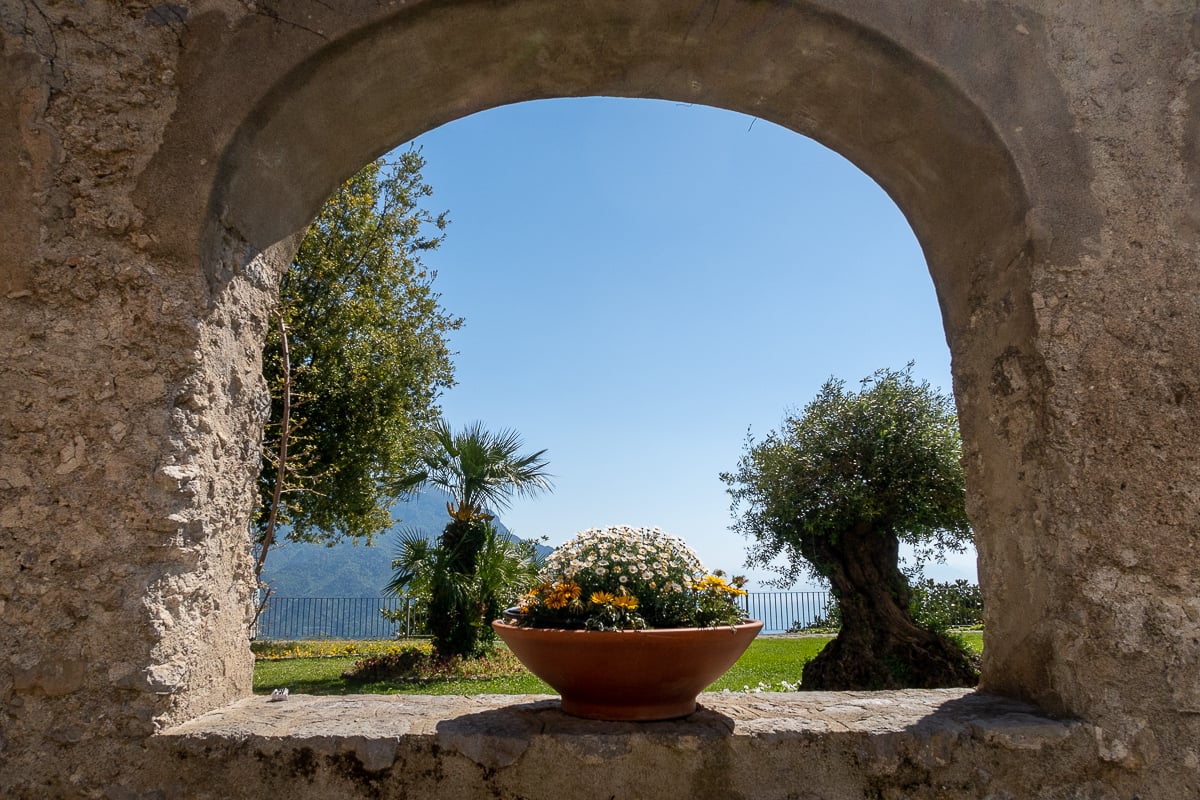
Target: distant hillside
{"points": [[351, 569]]}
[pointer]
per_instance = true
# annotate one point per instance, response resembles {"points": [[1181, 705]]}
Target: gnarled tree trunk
{"points": [[880, 646]]}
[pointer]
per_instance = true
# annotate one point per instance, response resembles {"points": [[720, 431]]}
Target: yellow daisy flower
{"points": [[626, 601]]}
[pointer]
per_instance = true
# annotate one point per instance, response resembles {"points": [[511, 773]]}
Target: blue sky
{"points": [[643, 282]]}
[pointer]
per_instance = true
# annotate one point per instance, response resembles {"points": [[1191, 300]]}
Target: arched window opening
{"points": [[642, 283]]}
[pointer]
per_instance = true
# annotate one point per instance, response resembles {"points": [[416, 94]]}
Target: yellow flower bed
{"points": [[330, 648]]}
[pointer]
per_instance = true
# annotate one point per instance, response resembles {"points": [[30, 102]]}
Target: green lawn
{"points": [[771, 663], [324, 676]]}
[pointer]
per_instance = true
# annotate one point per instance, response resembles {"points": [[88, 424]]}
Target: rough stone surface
{"points": [[836, 745], [158, 159]]}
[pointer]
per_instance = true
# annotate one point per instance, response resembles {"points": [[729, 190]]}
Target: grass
{"points": [[318, 667], [324, 676], [971, 640], [771, 663]]}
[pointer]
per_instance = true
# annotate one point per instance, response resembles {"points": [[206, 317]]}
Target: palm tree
{"points": [[481, 471], [478, 469]]}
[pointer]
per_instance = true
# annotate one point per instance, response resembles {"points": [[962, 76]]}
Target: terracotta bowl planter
{"points": [[629, 675]]}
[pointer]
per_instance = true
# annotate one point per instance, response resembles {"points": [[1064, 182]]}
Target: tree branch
{"points": [[281, 461]]}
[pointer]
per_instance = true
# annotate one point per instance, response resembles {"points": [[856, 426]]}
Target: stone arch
{"points": [[1045, 154], [911, 123]]}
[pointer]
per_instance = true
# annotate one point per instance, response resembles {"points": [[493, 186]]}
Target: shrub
{"points": [[939, 606], [947, 605]]}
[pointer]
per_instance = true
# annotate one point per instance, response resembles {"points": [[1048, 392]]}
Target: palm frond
{"points": [[479, 469], [413, 561]]}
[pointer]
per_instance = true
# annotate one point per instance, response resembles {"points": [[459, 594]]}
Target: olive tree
{"points": [[834, 492]]}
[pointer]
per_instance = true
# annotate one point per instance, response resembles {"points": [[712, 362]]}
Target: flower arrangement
{"points": [[625, 578]]}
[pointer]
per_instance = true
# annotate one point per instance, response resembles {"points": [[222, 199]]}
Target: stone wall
{"points": [[158, 159]]}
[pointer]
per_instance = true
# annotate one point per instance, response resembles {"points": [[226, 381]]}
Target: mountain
{"points": [[350, 568]]}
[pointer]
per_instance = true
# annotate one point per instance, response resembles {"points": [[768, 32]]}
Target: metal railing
{"points": [[300, 618], [303, 618], [787, 611]]}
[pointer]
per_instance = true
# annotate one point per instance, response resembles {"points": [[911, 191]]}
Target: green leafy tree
{"points": [[835, 491], [481, 471], [355, 361]]}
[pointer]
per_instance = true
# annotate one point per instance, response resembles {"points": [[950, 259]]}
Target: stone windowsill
{"points": [[496, 732]]}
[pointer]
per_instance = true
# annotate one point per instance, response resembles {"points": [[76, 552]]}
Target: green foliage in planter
{"points": [[627, 578]]}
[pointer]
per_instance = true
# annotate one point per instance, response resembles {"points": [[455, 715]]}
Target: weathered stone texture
{"points": [[158, 159], [915, 744], [118, 601]]}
